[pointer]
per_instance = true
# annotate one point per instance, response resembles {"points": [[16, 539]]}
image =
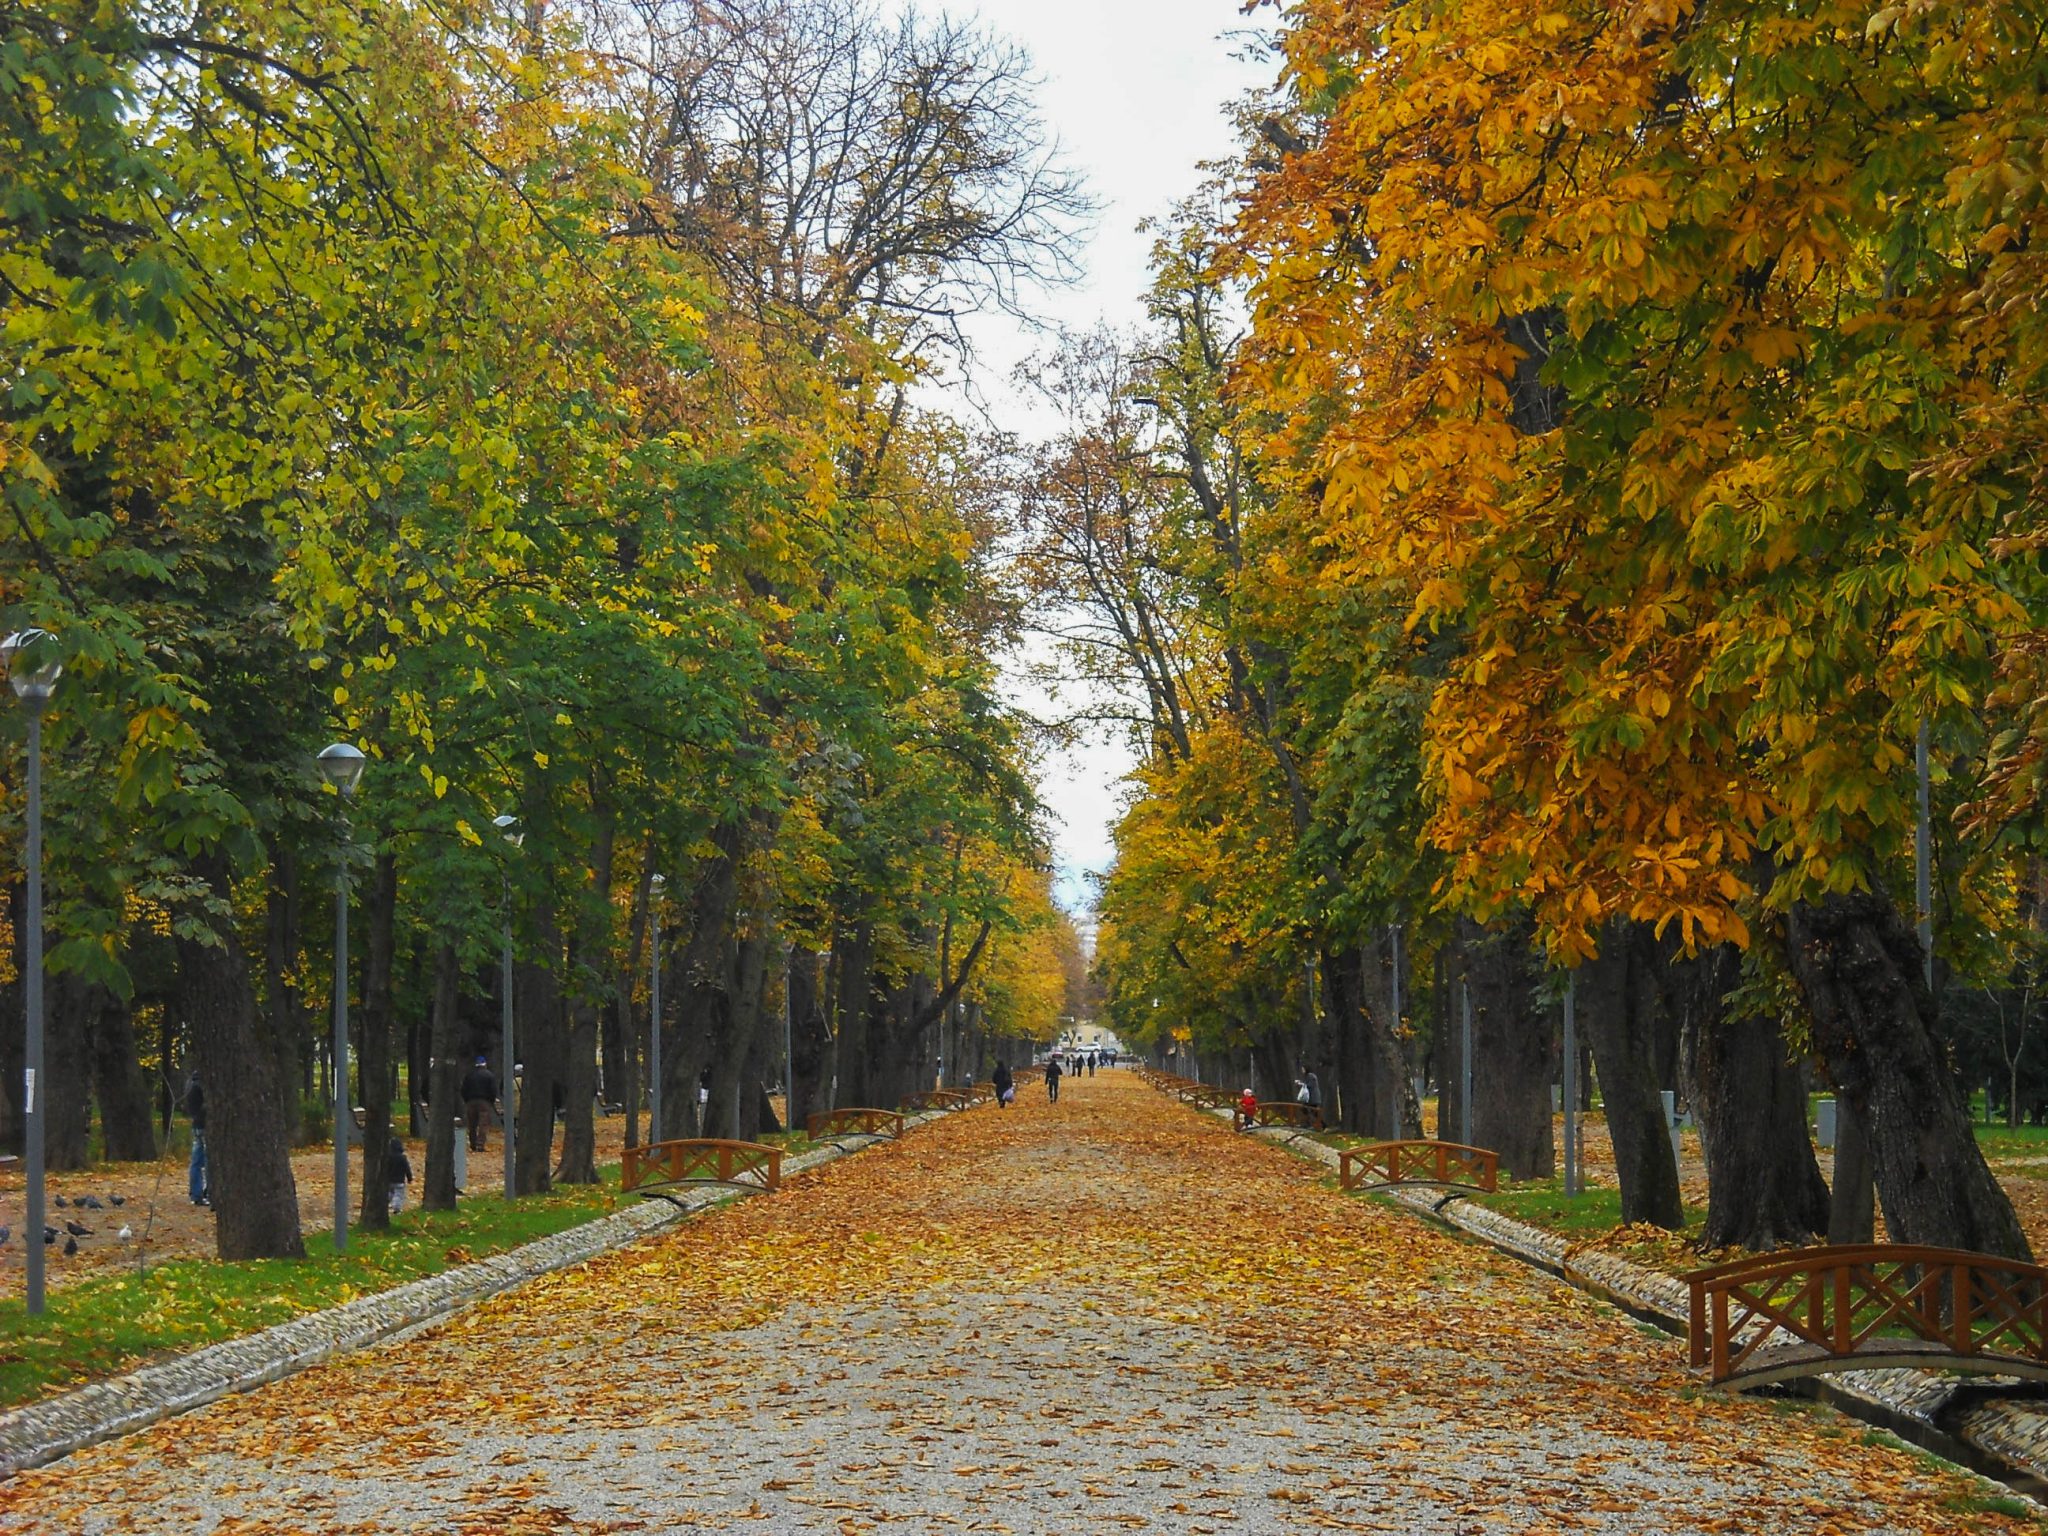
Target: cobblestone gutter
{"points": [[46, 1431], [1974, 1422]]}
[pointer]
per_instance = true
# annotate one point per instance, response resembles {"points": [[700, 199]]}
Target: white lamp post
{"points": [[33, 667], [342, 766], [508, 827]]}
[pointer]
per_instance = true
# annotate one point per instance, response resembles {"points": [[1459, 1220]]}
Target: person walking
{"points": [[1053, 1073], [397, 1173], [1247, 1109], [198, 1184], [479, 1094], [1006, 1086], [1314, 1100]]}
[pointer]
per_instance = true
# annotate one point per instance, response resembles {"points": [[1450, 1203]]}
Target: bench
{"points": [[931, 1099], [1281, 1112], [1408, 1164], [1868, 1306], [659, 1166], [853, 1122]]}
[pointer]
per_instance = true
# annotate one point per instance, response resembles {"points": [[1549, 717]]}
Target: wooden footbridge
{"points": [[1807, 1311], [659, 1168]]}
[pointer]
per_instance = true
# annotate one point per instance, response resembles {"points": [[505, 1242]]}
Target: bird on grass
{"points": [[90, 1203], [49, 1236], [70, 1246], [62, 1202], [78, 1229], [125, 1233], [5, 1233], [117, 1199]]}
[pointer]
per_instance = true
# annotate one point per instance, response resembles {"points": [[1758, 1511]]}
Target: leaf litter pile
{"points": [[1106, 1314]]}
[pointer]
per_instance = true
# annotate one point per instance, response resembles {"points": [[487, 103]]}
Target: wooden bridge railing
{"points": [[1403, 1164], [742, 1164], [1283, 1112], [982, 1093], [853, 1122], [1868, 1307], [932, 1098]]}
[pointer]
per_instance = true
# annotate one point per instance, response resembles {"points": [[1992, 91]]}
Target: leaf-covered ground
{"points": [[1109, 1314]]}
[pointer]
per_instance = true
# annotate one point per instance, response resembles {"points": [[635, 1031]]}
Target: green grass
{"points": [[113, 1322], [1543, 1203], [2018, 1141]]}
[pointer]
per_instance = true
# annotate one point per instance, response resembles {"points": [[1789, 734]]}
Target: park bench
{"points": [[853, 1122], [1280, 1113], [932, 1098], [1869, 1306], [659, 1167], [1407, 1164]]}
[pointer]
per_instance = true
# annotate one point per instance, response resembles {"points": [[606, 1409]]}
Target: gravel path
{"points": [[1109, 1314]]}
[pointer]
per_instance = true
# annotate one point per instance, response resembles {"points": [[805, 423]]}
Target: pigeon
{"points": [[49, 1236], [5, 1233], [78, 1229], [62, 1203], [70, 1246], [117, 1199], [124, 1234], [90, 1203]]}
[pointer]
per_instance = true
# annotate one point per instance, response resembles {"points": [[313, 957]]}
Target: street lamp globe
{"points": [[33, 665], [342, 766], [508, 827]]}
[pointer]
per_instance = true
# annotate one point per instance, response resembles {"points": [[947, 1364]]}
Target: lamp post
{"points": [[657, 886], [342, 766], [33, 668], [508, 828]]}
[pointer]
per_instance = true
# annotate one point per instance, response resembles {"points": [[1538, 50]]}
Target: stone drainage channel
{"points": [[52, 1429], [1990, 1426]]}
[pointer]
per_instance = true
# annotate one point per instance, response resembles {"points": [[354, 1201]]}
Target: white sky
{"points": [[1134, 90]]}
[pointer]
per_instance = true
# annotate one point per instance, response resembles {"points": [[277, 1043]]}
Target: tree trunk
{"points": [[284, 1005], [1352, 1097], [1394, 1112], [811, 1036], [1764, 1189], [1620, 1005], [1858, 963], [71, 1003], [444, 1094], [119, 1086], [589, 974], [1511, 1050], [539, 1030], [1852, 1201], [256, 1206], [373, 1039]]}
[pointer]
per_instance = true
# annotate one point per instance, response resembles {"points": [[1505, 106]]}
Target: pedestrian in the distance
{"points": [[1006, 1085], [1052, 1079], [397, 1172], [198, 1185], [1247, 1109], [1315, 1096], [1091, 1063], [479, 1095]]}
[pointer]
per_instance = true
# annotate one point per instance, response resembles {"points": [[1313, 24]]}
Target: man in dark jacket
{"points": [[197, 1185], [479, 1093], [1053, 1074]]}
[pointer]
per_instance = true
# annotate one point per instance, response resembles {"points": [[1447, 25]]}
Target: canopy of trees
{"points": [[525, 397], [1583, 452]]}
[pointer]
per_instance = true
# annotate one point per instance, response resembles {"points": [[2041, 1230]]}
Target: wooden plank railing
{"points": [[1402, 1164], [932, 1098], [1281, 1112], [742, 1164], [1871, 1306], [853, 1122]]}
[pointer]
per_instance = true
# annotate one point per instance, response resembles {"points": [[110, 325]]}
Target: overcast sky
{"points": [[1134, 90]]}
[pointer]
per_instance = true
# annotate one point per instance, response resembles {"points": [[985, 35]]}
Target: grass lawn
{"points": [[100, 1327], [2019, 1141]]}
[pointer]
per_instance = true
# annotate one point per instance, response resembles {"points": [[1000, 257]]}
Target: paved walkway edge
{"points": [[50, 1430], [1961, 1420]]}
